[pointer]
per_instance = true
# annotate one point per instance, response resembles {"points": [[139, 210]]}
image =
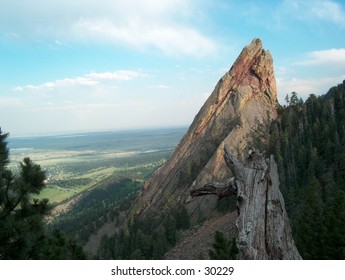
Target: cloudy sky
{"points": [[96, 65]]}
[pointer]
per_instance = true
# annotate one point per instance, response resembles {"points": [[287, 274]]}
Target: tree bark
{"points": [[263, 224]]}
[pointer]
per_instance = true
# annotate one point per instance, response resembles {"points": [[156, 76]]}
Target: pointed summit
{"points": [[254, 67], [243, 98]]}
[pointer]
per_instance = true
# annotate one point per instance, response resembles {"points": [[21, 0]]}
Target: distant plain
{"points": [[77, 162]]}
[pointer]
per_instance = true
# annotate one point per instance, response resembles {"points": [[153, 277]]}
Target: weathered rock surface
{"points": [[244, 97]]}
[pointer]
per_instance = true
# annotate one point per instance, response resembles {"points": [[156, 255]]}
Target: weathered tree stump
{"points": [[263, 224]]}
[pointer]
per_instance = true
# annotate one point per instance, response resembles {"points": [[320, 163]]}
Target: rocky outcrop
{"points": [[243, 98]]}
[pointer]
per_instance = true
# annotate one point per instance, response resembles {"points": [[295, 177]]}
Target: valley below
{"points": [[76, 163], [92, 177]]}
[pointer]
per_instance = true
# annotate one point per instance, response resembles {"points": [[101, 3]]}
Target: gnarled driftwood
{"points": [[263, 224]]}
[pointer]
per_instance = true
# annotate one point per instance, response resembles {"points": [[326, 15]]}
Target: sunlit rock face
{"points": [[244, 98]]}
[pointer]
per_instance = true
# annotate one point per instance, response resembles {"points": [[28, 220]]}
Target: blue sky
{"points": [[71, 66]]}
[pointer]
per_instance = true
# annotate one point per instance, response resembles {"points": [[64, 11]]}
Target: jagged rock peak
{"points": [[243, 98], [251, 78], [254, 67]]}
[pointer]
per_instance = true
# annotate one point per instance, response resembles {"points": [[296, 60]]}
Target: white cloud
{"points": [[121, 75], [331, 56], [172, 38], [18, 88], [165, 25], [68, 82], [92, 79], [329, 11], [315, 73], [305, 87]]}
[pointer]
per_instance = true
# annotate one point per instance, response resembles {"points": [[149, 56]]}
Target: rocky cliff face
{"points": [[243, 98]]}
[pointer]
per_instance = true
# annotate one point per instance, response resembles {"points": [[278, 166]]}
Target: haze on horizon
{"points": [[113, 65]]}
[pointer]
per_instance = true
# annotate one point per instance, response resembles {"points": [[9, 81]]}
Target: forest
{"points": [[308, 142]]}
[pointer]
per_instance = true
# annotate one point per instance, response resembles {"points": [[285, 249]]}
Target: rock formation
{"points": [[263, 225], [243, 98]]}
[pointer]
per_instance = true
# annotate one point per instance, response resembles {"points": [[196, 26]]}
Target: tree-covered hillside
{"points": [[308, 142]]}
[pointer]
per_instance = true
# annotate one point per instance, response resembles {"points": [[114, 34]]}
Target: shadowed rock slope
{"points": [[244, 97], [196, 245]]}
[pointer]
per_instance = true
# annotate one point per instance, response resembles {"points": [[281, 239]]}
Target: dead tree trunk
{"points": [[263, 224]]}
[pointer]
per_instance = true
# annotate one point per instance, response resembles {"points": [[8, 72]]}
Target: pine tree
{"points": [[23, 232], [160, 244], [170, 229], [310, 235], [293, 99], [21, 216], [223, 248], [335, 236], [182, 218]]}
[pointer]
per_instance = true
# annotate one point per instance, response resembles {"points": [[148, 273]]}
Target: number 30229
{"points": [[219, 270]]}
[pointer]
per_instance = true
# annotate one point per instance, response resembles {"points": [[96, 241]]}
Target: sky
{"points": [[76, 66]]}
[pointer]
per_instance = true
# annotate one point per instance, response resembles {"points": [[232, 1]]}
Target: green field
{"points": [[75, 163]]}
